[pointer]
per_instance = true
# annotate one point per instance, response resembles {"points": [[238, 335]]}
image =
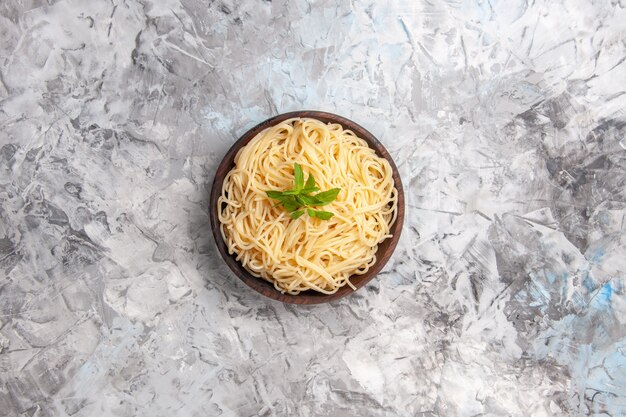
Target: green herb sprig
{"points": [[296, 200]]}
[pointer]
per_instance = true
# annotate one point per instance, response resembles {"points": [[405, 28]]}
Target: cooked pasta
{"points": [[307, 253]]}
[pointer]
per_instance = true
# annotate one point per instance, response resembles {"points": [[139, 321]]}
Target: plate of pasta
{"points": [[306, 207]]}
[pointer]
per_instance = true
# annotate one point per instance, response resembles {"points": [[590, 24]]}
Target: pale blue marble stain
{"points": [[588, 282], [606, 292], [601, 299], [597, 256]]}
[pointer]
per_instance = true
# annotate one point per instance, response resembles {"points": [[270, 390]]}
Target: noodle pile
{"points": [[307, 253]]}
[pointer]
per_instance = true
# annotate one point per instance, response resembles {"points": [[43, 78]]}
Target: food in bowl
{"points": [[314, 234]]}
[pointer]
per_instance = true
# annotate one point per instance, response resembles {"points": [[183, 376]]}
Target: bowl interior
{"points": [[385, 249]]}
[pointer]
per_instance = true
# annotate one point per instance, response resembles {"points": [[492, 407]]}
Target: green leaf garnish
{"points": [[327, 197], [276, 195], [300, 197], [320, 214], [290, 192], [309, 200], [291, 204], [299, 176], [310, 187]]}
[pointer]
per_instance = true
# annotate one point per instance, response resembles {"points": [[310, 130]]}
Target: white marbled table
{"points": [[505, 297]]}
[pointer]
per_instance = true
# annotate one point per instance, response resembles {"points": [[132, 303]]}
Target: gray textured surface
{"points": [[505, 296]]}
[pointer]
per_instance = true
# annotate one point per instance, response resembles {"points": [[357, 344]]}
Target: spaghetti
{"points": [[307, 253]]}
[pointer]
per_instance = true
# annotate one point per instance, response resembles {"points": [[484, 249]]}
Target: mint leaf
{"points": [[290, 204], [320, 214], [299, 176], [309, 200], [284, 199], [276, 195], [310, 182], [327, 197], [299, 197]]}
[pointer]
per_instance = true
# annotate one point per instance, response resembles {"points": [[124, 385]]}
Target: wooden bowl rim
{"points": [[385, 249]]}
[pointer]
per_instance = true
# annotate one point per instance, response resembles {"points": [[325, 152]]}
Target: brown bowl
{"points": [[385, 249]]}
